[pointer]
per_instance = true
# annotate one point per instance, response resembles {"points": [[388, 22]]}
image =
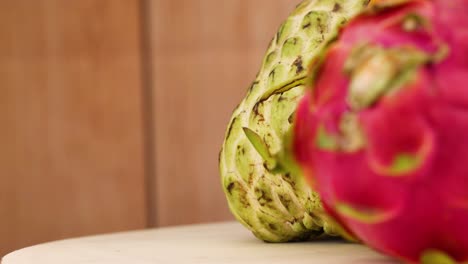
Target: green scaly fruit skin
{"points": [[279, 206]]}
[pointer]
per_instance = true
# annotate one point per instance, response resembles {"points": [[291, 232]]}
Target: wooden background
{"points": [[113, 112]]}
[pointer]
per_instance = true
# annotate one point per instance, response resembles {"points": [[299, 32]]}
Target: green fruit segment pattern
{"points": [[279, 206]]}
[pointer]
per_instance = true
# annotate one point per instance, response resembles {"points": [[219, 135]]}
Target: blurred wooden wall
{"points": [[113, 112], [205, 53]]}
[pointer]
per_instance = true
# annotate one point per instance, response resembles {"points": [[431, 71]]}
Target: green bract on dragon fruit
{"points": [[382, 133], [264, 189]]}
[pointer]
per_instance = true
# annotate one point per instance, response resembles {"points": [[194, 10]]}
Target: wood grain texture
{"points": [[205, 55], [70, 114]]}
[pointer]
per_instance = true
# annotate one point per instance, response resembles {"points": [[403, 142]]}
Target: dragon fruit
{"points": [[381, 133], [276, 204]]}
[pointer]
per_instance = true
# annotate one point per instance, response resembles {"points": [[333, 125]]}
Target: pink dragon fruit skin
{"points": [[383, 133]]}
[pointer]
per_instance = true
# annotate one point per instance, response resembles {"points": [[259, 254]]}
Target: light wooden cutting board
{"points": [[228, 243]]}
